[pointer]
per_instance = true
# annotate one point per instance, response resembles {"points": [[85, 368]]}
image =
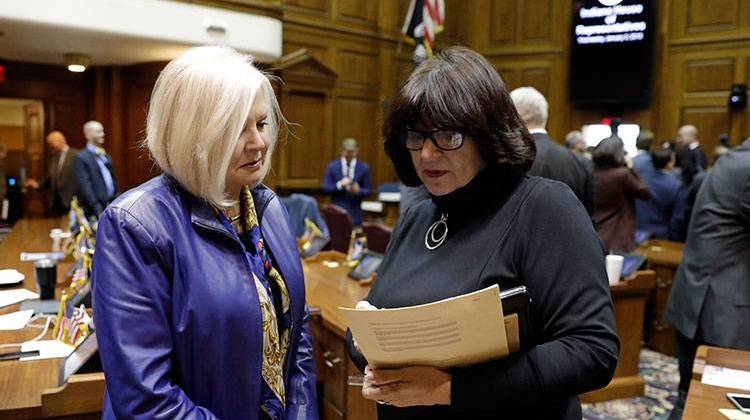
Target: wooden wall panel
{"points": [[709, 75], [707, 15], [13, 137], [503, 21], [538, 78], [359, 69], [358, 118], [304, 157], [536, 20], [365, 12], [700, 21], [315, 6]]}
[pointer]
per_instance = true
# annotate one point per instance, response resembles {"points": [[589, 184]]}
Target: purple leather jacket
{"points": [[177, 313]]}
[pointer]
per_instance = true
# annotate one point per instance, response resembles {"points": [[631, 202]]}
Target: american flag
{"points": [[78, 318], [423, 21]]}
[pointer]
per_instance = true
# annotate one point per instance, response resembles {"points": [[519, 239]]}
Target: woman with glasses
{"points": [[454, 129]]}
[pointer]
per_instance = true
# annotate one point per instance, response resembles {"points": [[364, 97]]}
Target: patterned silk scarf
{"points": [[276, 318]]}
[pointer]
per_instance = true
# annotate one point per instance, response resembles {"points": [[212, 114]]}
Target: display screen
{"points": [[593, 134], [611, 51]]}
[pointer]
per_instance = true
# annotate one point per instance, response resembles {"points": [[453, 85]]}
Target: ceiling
{"points": [[122, 32]]}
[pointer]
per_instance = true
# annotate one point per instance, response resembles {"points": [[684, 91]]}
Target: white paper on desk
{"points": [[9, 297], [458, 331], [733, 414], [48, 349], [15, 320], [728, 378], [11, 276]]}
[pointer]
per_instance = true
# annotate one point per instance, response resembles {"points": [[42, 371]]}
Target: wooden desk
{"points": [[327, 289], [22, 384], [629, 298], [704, 401], [663, 257]]}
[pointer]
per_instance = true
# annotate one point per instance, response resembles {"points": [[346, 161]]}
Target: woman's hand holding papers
{"points": [[408, 386]]}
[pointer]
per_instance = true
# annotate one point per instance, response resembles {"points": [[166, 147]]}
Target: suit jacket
{"points": [[711, 290], [61, 178], [556, 162], [177, 311], [616, 190], [342, 198], [642, 163], [690, 161], [664, 213], [90, 187]]}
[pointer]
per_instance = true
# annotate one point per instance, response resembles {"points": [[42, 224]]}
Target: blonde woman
{"points": [[198, 289]]}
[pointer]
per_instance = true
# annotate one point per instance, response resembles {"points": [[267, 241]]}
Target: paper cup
{"points": [[614, 268]]}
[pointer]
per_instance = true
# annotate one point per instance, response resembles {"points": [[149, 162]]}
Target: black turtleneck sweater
{"points": [[509, 229]]}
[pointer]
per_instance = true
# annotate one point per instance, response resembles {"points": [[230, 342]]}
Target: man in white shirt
{"points": [[348, 180]]}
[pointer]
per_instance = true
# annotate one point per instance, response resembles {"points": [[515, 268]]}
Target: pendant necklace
{"points": [[437, 233]]}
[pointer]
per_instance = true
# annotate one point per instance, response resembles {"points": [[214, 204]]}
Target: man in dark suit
{"points": [[690, 156], [552, 160], [664, 214], [95, 179], [60, 178], [710, 297], [347, 180]]}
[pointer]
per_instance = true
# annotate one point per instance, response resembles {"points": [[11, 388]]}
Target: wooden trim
{"points": [[82, 393], [332, 27], [523, 50], [708, 39]]}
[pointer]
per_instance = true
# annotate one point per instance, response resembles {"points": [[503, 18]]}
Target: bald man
{"points": [[60, 179], [95, 178], [690, 156]]}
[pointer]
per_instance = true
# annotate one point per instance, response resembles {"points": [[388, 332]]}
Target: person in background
{"points": [[348, 180], [552, 160], [664, 214], [199, 295], [710, 298], [690, 157], [617, 186], [642, 159], [60, 177], [453, 128], [575, 143], [96, 185]]}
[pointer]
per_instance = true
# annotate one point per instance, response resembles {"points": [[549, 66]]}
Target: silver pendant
{"points": [[430, 241]]}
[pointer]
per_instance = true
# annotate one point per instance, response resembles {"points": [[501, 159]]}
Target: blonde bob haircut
{"points": [[198, 110]]}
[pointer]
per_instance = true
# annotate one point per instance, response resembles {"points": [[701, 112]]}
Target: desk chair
{"points": [[378, 236], [339, 227]]}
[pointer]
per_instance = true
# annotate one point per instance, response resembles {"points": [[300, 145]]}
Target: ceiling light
{"points": [[77, 62]]}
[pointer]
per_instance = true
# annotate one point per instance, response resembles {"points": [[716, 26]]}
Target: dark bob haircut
{"points": [[609, 153], [458, 89]]}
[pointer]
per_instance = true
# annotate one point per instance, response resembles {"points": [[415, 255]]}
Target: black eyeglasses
{"points": [[442, 139]]}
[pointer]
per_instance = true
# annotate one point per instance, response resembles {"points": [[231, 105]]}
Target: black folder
{"points": [[517, 301]]}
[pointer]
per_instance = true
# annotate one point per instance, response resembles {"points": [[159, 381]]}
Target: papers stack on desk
{"points": [[459, 331]]}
